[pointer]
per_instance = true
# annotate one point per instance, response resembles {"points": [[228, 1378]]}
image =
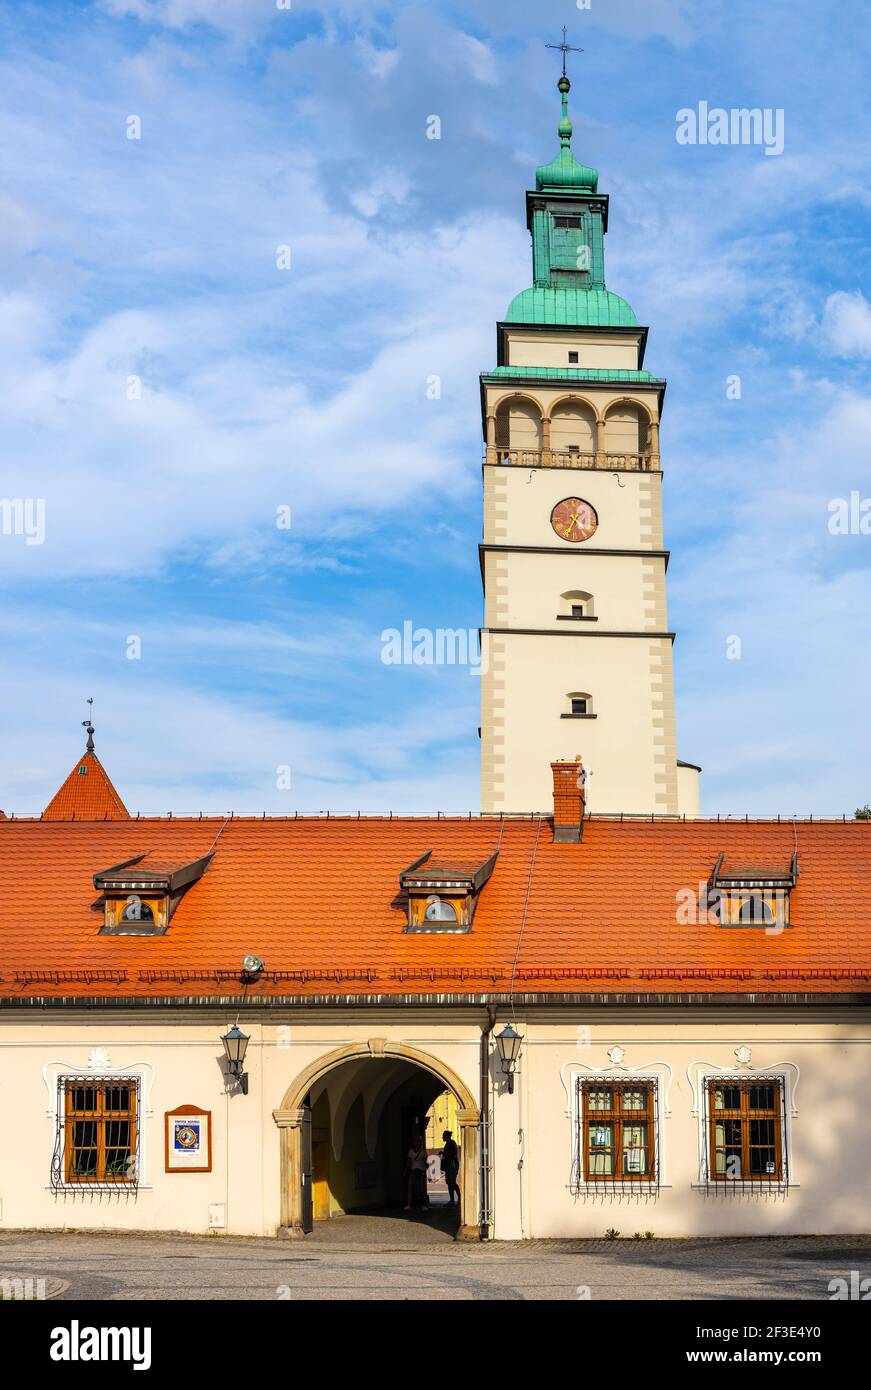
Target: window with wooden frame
{"points": [[100, 1132], [618, 1123], [745, 1130]]}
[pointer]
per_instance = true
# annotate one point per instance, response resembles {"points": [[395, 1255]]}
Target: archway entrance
{"points": [[346, 1124]]}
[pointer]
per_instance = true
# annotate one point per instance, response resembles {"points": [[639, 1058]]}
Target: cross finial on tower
{"points": [[86, 724], [564, 48]]}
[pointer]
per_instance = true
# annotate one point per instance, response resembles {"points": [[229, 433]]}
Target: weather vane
{"points": [[564, 48], [86, 724]]}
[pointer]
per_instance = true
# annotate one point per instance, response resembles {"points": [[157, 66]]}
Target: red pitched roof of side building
{"points": [[319, 900], [87, 794]]}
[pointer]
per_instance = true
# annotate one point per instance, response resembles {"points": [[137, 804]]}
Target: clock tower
{"points": [[577, 648]]}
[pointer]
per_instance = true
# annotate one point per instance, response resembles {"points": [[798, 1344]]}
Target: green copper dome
{"points": [[569, 306], [567, 218], [565, 171]]}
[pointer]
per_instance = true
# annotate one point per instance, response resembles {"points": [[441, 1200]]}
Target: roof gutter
{"points": [[66, 1003]]}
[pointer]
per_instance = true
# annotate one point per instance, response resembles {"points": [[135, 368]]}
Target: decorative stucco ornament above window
{"points": [[699, 1071], [570, 1071]]}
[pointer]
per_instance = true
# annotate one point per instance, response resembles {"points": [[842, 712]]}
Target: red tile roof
{"points": [[87, 794], [318, 900]]}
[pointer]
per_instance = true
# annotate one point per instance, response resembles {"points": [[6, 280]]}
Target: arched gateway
{"points": [[294, 1122]]}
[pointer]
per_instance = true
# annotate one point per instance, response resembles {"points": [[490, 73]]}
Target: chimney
{"points": [[568, 802]]}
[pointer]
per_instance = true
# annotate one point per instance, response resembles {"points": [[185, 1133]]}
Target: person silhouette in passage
{"points": [[415, 1175], [451, 1165]]}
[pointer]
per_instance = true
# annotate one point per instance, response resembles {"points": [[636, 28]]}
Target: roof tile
{"points": [[317, 900], [87, 794]]}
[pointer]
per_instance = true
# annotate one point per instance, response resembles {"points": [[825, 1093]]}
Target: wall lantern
{"points": [[508, 1042], [235, 1046]]}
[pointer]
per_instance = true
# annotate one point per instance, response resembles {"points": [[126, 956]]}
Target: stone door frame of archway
{"points": [[289, 1119]]}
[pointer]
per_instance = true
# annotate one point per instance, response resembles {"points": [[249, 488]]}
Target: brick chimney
{"points": [[568, 802]]}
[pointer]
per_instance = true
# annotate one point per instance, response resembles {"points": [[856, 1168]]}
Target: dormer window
{"points": [[130, 914], [141, 894], [752, 895], [442, 896]]}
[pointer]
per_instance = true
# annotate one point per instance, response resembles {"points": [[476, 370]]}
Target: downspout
{"points": [[485, 1121]]}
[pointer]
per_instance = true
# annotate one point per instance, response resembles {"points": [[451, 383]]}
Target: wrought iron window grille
{"points": [[618, 1184], [118, 1147], [740, 1182]]}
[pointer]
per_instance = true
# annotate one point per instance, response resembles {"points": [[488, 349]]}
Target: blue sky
{"points": [[262, 387]]}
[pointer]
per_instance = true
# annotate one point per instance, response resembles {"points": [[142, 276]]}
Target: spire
{"points": [[86, 724], [564, 86], [87, 794], [568, 219], [565, 126], [565, 172]]}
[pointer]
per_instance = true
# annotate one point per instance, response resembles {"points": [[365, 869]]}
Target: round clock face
{"points": [[573, 519]]}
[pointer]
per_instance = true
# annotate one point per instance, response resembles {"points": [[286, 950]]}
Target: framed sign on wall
{"points": [[188, 1136]]}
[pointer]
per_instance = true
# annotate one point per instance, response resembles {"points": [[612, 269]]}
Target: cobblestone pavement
{"points": [[388, 1258]]}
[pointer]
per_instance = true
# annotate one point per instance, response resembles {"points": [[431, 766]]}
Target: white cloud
{"points": [[381, 62], [172, 747], [226, 429], [477, 57], [677, 20], [847, 323], [781, 729], [390, 188], [229, 16]]}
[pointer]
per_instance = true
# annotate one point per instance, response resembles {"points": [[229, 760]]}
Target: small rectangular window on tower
{"points": [[573, 357]]}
